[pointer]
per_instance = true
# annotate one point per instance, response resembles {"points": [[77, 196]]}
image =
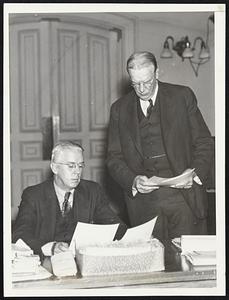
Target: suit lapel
{"points": [[169, 129], [81, 205], [49, 210], [132, 123]]}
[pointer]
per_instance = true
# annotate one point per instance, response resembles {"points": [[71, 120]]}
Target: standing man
{"points": [[158, 130], [49, 212]]}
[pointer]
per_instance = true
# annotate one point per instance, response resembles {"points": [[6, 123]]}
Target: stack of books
{"points": [[198, 252], [25, 264]]}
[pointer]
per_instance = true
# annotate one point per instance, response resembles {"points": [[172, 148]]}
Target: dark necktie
{"points": [[66, 205], [149, 108]]}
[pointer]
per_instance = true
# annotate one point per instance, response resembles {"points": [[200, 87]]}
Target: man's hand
{"points": [[60, 247], [143, 185], [185, 184]]}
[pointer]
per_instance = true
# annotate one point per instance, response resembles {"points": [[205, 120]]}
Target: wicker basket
{"points": [[149, 257]]}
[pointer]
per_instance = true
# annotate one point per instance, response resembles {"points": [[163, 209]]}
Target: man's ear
{"points": [[53, 168], [157, 73]]}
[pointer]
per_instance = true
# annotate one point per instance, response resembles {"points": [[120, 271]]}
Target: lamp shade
{"points": [[166, 53], [187, 53], [204, 53]]}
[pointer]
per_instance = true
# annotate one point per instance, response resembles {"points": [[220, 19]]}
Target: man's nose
{"points": [[141, 87], [76, 170]]}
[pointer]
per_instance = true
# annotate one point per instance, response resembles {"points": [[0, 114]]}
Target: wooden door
{"points": [[29, 104], [63, 79], [85, 82]]}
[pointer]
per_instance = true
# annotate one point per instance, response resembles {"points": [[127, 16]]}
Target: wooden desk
{"points": [[172, 277], [146, 280]]}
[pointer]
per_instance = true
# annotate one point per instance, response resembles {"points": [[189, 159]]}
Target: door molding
{"points": [[103, 20]]}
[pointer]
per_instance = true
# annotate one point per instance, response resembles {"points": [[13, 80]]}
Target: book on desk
{"points": [[198, 252]]}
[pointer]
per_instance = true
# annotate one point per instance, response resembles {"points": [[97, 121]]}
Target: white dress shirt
{"points": [[145, 104]]}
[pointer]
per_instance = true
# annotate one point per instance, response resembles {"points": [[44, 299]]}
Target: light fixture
{"points": [[184, 49]]}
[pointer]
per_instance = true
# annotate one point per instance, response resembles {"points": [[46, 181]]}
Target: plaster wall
{"points": [[150, 36]]}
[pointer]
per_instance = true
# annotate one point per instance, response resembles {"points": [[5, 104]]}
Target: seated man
{"points": [[49, 211]]}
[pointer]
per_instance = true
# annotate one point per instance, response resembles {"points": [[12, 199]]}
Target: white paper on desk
{"points": [[160, 181], [21, 244], [142, 232], [92, 234]]}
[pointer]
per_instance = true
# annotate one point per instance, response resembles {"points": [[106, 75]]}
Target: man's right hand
{"points": [[143, 185], [60, 247]]}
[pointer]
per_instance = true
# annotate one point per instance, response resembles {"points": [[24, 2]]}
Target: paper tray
{"points": [[149, 261]]}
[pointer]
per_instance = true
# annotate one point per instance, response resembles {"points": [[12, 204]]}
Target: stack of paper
{"points": [[199, 251], [202, 258], [63, 264], [26, 265]]}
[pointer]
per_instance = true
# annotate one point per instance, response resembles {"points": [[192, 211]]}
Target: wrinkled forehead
{"points": [[69, 154], [140, 63], [141, 74]]}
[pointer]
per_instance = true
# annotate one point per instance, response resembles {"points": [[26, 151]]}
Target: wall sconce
{"points": [[184, 49]]}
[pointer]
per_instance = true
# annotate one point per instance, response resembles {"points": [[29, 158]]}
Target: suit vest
{"points": [[155, 159], [64, 225]]}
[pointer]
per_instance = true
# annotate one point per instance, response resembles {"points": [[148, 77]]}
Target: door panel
{"points": [[27, 107], [83, 89]]}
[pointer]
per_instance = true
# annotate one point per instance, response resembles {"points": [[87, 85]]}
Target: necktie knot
{"points": [[66, 205], [149, 108]]}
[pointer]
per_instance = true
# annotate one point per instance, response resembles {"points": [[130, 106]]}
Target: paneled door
{"points": [[63, 79]]}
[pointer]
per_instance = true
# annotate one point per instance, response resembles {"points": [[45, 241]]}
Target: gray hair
{"points": [[141, 59], [61, 146]]}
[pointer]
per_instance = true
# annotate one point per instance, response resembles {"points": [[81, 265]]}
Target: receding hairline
{"points": [[142, 59], [63, 146]]}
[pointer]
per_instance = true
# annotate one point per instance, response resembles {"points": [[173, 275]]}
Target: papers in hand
{"points": [[160, 181], [91, 234]]}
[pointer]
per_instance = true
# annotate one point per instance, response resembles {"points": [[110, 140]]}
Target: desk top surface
{"points": [[173, 276]]}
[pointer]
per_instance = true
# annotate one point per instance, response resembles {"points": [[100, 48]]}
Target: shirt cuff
{"points": [[47, 249], [197, 180], [134, 191]]}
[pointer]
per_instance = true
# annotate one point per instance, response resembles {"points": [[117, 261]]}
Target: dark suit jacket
{"points": [[187, 141], [35, 223]]}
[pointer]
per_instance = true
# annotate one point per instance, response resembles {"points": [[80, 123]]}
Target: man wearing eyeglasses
{"points": [[49, 212], [156, 131]]}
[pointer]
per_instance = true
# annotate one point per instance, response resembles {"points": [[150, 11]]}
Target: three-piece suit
{"points": [[39, 217], [185, 141]]}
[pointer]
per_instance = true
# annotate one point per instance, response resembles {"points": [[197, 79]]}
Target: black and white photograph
{"points": [[114, 181]]}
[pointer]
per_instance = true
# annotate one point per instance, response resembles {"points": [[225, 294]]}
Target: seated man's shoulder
{"points": [[38, 187], [89, 184]]}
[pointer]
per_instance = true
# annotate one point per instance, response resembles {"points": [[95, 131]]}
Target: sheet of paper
{"points": [[92, 234], [21, 244], [160, 181], [142, 232], [190, 243]]}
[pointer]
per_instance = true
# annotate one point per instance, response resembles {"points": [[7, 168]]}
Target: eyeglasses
{"points": [[72, 166], [146, 84]]}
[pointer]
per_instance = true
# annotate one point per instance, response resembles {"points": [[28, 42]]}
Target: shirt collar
{"points": [[61, 193]]}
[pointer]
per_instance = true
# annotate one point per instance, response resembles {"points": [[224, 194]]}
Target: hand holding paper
{"points": [[144, 184], [184, 180]]}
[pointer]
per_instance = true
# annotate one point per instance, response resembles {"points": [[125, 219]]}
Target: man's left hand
{"points": [[60, 247], [184, 184]]}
